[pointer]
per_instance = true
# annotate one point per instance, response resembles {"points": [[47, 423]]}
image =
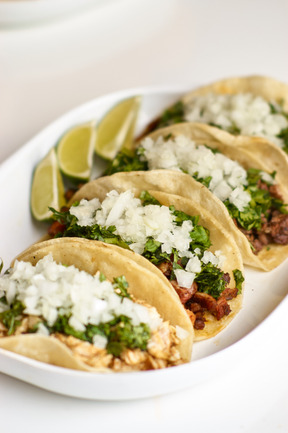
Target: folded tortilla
{"points": [[221, 239], [266, 87], [183, 184], [92, 256], [270, 89]]}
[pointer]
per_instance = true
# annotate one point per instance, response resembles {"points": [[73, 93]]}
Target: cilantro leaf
{"points": [[120, 285], [284, 136], [147, 199], [210, 280], [94, 232], [120, 333], [174, 114], [239, 279], [261, 203], [200, 238], [11, 318], [125, 161]]}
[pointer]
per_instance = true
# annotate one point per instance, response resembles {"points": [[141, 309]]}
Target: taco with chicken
{"points": [[246, 192], [191, 251], [84, 305]]}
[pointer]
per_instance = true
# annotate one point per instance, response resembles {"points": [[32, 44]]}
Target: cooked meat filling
{"points": [[197, 303], [161, 350]]}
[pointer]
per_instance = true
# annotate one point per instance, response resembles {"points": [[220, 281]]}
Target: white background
{"points": [[48, 67]]}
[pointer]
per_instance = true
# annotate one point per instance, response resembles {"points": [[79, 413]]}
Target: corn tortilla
{"points": [[93, 256], [221, 239]]}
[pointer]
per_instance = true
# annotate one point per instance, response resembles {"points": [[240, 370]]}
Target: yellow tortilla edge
{"points": [[153, 182], [93, 256], [239, 149]]}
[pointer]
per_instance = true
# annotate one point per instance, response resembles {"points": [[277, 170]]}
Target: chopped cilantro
{"points": [[147, 199], [260, 205], [278, 109], [200, 238], [180, 216], [102, 277], [120, 333], [284, 136], [205, 180], [172, 115], [11, 318], [94, 232], [125, 161], [233, 129], [210, 280], [239, 279], [261, 200], [120, 286], [254, 175], [273, 108]]}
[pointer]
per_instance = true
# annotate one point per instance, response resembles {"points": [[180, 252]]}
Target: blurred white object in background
{"points": [[27, 12]]}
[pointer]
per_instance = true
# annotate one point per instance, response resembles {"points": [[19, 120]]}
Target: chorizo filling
{"points": [[168, 238]]}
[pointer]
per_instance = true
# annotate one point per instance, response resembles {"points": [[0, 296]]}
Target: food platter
{"points": [[265, 298]]}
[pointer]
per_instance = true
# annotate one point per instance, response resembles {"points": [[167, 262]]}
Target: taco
{"points": [[247, 193], [254, 106], [84, 305], [189, 248]]}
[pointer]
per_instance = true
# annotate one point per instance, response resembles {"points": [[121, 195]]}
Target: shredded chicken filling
{"points": [[161, 351]]}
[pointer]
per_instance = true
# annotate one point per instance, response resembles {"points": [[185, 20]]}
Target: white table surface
{"points": [[49, 67]]}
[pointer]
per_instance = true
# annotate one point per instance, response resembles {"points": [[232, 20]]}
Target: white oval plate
{"points": [[264, 308]]}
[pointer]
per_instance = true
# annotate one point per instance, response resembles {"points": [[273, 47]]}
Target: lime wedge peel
{"points": [[47, 187], [73, 155], [75, 151], [116, 129]]}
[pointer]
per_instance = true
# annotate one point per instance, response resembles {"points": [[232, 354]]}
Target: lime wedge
{"points": [[75, 152], [116, 129], [47, 187]]}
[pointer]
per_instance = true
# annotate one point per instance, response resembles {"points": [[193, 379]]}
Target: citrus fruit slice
{"points": [[116, 129], [47, 187], [75, 151]]}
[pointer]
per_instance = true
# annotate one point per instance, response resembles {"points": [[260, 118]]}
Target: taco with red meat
{"points": [[186, 246], [247, 192], [233, 109]]}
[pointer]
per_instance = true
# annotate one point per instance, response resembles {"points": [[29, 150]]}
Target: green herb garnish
{"points": [[120, 333], [284, 136], [120, 285], [239, 279], [210, 279], [147, 199], [172, 115], [125, 161], [260, 204], [11, 318], [94, 232]]}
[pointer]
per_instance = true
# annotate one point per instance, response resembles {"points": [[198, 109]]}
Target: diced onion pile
{"points": [[181, 153], [50, 289], [136, 223], [250, 114]]}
